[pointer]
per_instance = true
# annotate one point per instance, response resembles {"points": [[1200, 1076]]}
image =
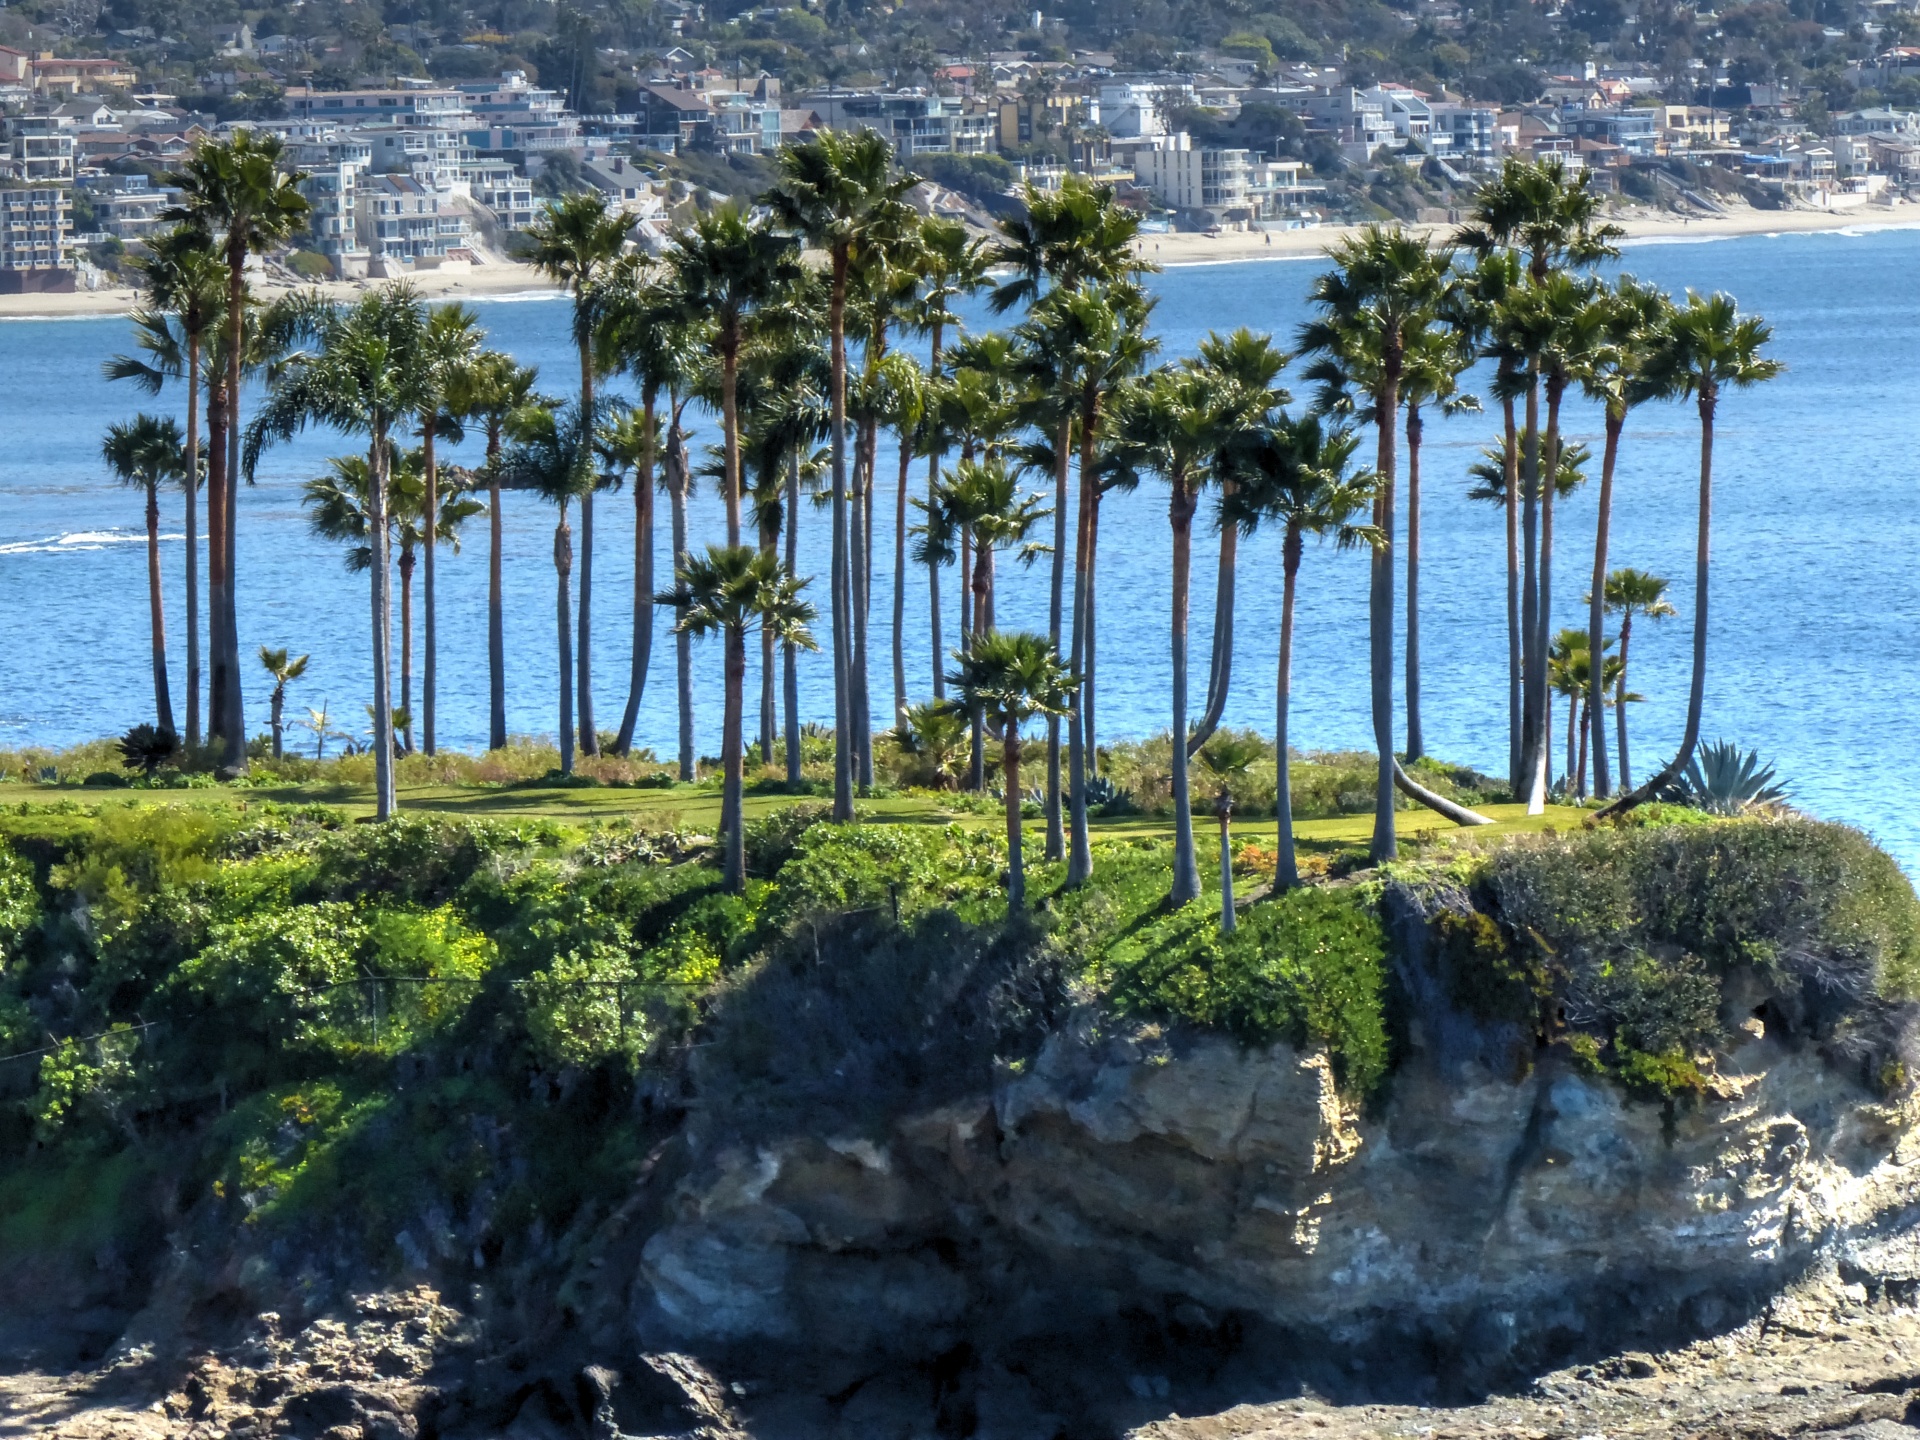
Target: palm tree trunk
{"points": [[563, 573], [1620, 699], [406, 645], [233, 721], [1062, 444], [977, 758], [1380, 611], [1226, 866], [1515, 703], [790, 660], [218, 672], [1220, 666], [430, 520], [589, 740], [1550, 465], [192, 484], [842, 709], [157, 615], [769, 718], [276, 720], [862, 521], [1533, 660], [496, 602], [1416, 740], [642, 576], [1697, 690], [1580, 761], [900, 584], [682, 642], [1186, 873], [385, 797], [732, 800], [730, 434], [1092, 683], [1596, 608], [1286, 873], [1010, 779], [933, 565], [1080, 846]]}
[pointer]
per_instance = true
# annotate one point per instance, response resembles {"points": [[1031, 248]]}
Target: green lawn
{"points": [[698, 807]]}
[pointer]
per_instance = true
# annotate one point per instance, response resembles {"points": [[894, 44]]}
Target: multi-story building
{"points": [[36, 230], [40, 148], [1022, 121], [510, 114], [1634, 131], [1469, 132], [433, 155], [1185, 177], [55, 75], [916, 123], [126, 207], [334, 174], [1137, 109], [421, 105], [506, 193], [404, 226]]}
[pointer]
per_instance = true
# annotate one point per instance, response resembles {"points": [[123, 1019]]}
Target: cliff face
{"points": [[1476, 1228]]}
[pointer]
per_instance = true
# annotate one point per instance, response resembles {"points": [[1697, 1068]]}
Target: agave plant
{"points": [[1723, 779], [1108, 798]]}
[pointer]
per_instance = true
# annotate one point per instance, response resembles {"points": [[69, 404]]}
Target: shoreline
{"points": [[501, 280]]}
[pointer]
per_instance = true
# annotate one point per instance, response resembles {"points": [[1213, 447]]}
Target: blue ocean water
{"points": [[1813, 644]]}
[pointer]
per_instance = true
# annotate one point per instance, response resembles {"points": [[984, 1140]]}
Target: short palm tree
{"points": [[729, 589], [362, 375], [840, 193], [575, 242], [284, 673], [934, 737], [1706, 346], [1228, 758], [1628, 593], [1299, 477], [240, 188], [146, 453], [1010, 678], [552, 455]]}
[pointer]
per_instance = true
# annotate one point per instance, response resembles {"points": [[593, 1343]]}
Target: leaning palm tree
{"points": [[284, 673], [1174, 424], [146, 453], [552, 455], [836, 191], [487, 389], [729, 589], [1386, 287], [239, 189], [1706, 345], [1628, 593], [1010, 678], [451, 343], [361, 376], [1298, 476], [574, 242]]}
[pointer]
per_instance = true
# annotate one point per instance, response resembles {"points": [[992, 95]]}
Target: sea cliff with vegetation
{"points": [[482, 1126]]}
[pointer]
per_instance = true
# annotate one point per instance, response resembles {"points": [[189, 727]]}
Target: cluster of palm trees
{"points": [[800, 362]]}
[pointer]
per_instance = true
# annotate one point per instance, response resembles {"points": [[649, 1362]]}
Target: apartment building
{"points": [[511, 114], [406, 226], [41, 149], [36, 231], [126, 207], [916, 123], [503, 190], [422, 106], [1203, 182], [334, 176]]}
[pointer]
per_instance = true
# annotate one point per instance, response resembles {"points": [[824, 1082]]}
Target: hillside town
{"points": [[410, 174]]}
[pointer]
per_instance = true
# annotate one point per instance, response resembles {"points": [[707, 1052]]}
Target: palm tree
{"points": [[1549, 215], [1228, 758], [1071, 237], [904, 402], [728, 589], [185, 280], [835, 191], [146, 453], [488, 389], [552, 456], [1614, 375], [1010, 678], [1174, 424], [1386, 288], [284, 672], [1628, 593], [1298, 476], [575, 242], [934, 736], [362, 376], [1706, 345], [238, 188], [451, 343]]}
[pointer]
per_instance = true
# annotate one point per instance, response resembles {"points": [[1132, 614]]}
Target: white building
{"points": [[36, 230], [510, 114], [406, 226], [1183, 177]]}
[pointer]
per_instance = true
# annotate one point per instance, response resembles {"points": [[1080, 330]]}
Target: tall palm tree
{"points": [[1614, 375], [1386, 287], [1298, 476], [1628, 593], [1011, 678], [284, 673], [1550, 215], [904, 402], [361, 376], [146, 453], [1707, 345], [552, 455], [186, 281], [238, 188], [728, 589], [1173, 425], [452, 341], [574, 242], [488, 389], [835, 191]]}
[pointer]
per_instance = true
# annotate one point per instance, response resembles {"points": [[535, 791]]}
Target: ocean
{"points": [[1813, 640]]}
